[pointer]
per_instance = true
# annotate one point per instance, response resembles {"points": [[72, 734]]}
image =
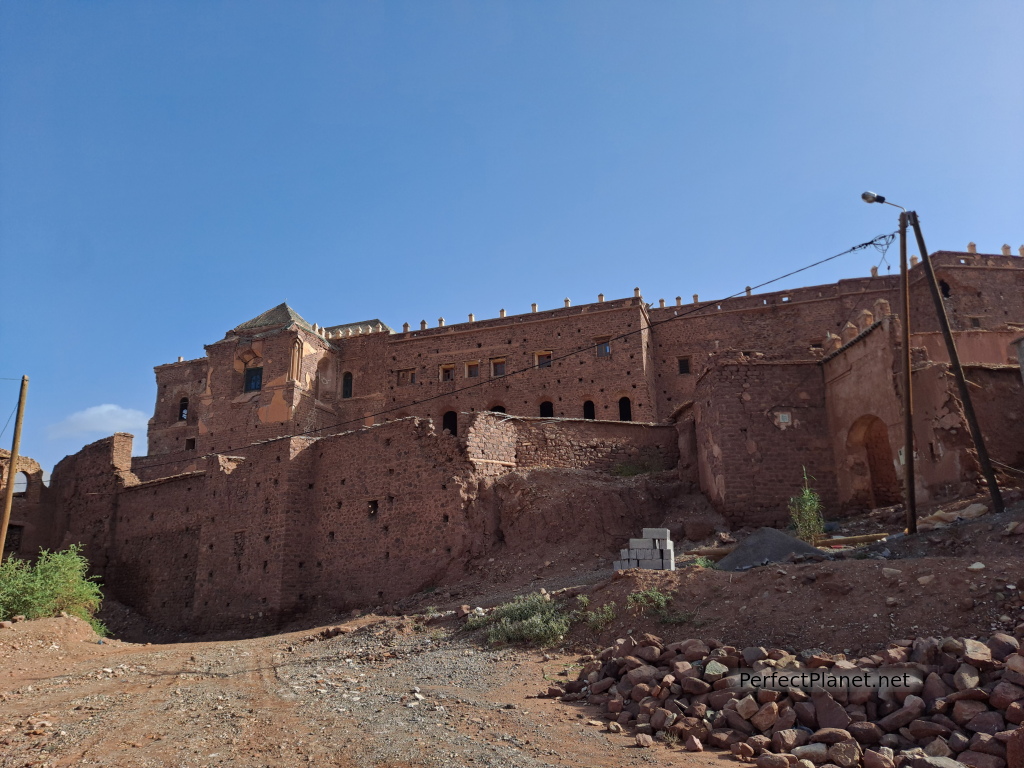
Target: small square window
{"points": [[472, 370], [543, 359], [785, 417], [975, 322], [604, 347], [407, 377], [190, 443], [253, 379], [684, 365], [447, 373], [372, 507], [498, 366]]}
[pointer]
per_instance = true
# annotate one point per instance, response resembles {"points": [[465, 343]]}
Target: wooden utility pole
{"points": [[908, 397], [12, 469]]}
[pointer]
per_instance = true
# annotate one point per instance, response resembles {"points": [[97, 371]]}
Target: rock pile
{"points": [[653, 551], [966, 706]]}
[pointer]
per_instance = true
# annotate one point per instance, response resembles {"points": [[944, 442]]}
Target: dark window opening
{"points": [[547, 409], [190, 443], [588, 410], [543, 359], [447, 373], [604, 348], [625, 409], [13, 542], [346, 385], [450, 422], [497, 409], [684, 365], [183, 409], [498, 366], [253, 379], [371, 507], [944, 287], [472, 370], [975, 322]]}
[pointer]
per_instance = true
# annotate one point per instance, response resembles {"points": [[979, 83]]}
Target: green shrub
{"points": [[805, 511], [56, 582], [703, 562], [649, 599], [601, 618], [532, 619]]}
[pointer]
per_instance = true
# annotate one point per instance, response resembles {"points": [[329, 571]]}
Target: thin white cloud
{"points": [[106, 419]]}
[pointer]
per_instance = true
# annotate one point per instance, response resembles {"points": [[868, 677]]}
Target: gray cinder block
{"points": [[656, 533]]}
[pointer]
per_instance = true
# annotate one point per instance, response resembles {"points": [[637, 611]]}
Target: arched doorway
{"points": [[874, 479], [625, 409], [588, 410], [547, 409], [450, 422]]}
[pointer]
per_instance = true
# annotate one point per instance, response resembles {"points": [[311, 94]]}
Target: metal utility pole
{"points": [[908, 397], [958, 371], [12, 469]]}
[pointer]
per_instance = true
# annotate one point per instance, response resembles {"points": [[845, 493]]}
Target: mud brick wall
{"points": [[752, 462], [566, 384], [491, 443], [782, 325], [84, 490], [999, 404], [31, 523], [380, 514], [985, 291], [598, 445]]}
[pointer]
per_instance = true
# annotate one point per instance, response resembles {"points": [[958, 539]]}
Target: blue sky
{"points": [[170, 170]]}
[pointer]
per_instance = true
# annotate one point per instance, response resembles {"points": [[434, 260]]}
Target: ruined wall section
{"points": [[85, 489], [32, 521], [984, 291], [753, 458], [999, 405], [566, 384], [783, 325]]}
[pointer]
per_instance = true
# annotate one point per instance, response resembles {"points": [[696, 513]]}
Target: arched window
{"points": [[588, 410], [625, 409], [450, 422], [497, 408], [20, 484], [547, 409], [296, 362], [346, 385], [183, 409]]}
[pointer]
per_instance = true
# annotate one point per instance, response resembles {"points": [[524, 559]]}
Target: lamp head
{"points": [[871, 197]]}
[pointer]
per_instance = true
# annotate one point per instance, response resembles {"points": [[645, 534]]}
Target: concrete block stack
{"points": [[653, 552]]}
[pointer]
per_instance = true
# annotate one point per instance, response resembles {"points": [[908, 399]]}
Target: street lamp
{"points": [[954, 361]]}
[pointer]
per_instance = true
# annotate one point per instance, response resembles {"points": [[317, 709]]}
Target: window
{"points": [[372, 507], [13, 542], [407, 377], [190, 443], [785, 417], [447, 373], [450, 423], [183, 409], [975, 322], [547, 409], [346, 385], [472, 370], [253, 379], [543, 359], [604, 347], [625, 409], [497, 366], [684, 365], [497, 409], [588, 410]]}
